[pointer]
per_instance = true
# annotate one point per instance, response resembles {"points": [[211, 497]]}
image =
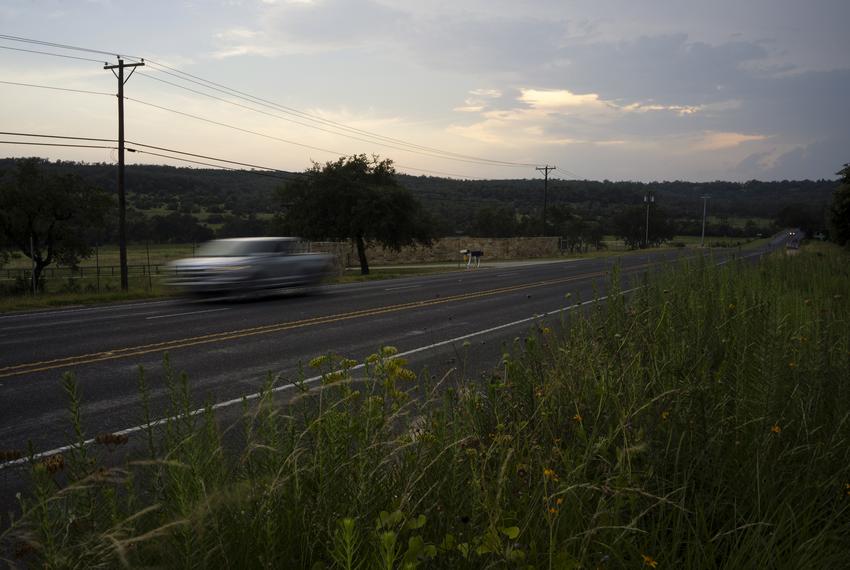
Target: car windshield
{"points": [[236, 248]]}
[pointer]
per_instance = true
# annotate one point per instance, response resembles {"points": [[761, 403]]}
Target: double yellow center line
{"points": [[44, 365]]}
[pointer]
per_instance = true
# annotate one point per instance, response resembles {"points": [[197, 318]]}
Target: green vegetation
{"points": [[839, 212], [702, 421], [168, 204], [48, 216], [356, 198]]}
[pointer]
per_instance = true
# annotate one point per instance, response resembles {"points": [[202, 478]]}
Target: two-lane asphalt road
{"points": [[228, 348]]}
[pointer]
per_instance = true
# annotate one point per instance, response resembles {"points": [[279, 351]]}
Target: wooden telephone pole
{"points": [[545, 170], [122, 200]]}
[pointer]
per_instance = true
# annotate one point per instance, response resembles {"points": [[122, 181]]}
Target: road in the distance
{"points": [[229, 348]]}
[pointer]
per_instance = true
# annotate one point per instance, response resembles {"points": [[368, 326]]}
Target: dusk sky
{"points": [[605, 89]]}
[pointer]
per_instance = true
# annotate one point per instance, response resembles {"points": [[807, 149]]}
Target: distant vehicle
{"points": [[793, 240], [243, 265]]}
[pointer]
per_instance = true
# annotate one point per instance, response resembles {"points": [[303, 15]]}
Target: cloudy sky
{"points": [[602, 89]]}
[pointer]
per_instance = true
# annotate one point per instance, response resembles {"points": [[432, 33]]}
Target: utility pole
{"points": [[649, 198], [704, 203], [32, 265], [545, 170], [122, 200]]}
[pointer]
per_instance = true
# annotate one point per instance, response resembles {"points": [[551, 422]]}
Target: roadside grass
{"points": [[702, 421], [24, 302]]}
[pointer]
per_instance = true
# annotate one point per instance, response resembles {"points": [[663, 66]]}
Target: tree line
{"points": [[57, 211]]}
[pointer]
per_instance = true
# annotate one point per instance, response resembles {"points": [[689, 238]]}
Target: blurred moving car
{"points": [[243, 265]]}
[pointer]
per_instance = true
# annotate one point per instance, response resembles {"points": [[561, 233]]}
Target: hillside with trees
{"points": [[170, 204]]}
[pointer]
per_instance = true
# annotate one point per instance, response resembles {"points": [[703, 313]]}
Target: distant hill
{"points": [[218, 196]]}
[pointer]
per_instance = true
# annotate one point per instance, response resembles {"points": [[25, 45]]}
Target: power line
{"points": [[57, 45], [37, 86], [51, 54], [269, 168], [53, 144], [59, 144], [163, 108], [449, 174], [301, 114], [219, 123], [567, 172], [203, 156], [234, 92], [36, 135], [372, 138], [217, 166], [234, 127], [440, 155]]}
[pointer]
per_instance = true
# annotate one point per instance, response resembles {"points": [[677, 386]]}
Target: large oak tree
{"points": [[49, 217], [357, 198]]}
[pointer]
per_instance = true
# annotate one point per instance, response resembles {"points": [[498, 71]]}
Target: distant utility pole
{"points": [[545, 170], [704, 207], [649, 198], [122, 200]]}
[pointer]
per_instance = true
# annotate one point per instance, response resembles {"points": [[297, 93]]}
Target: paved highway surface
{"points": [[228, 348]]}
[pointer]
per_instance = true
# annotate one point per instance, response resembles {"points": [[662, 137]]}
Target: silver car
{"points": [[242, 265]]}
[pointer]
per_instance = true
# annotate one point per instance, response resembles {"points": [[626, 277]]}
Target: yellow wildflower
{"points": [[550, 474], [665, 415], [552, 510], [792, 365], [577, 418], [559, 500], [776, 429], [407, 374], [649, 561]]}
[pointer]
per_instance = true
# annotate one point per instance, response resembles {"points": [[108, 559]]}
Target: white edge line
{"points": [[255, 395], [189, 313]]}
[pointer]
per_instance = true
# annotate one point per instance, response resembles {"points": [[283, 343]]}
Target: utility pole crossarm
{"points": [[122, 200]]}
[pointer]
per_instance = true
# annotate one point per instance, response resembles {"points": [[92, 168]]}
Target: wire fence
{"points": [[84, 272]]}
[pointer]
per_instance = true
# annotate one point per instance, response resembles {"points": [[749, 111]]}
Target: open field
{"points": [[137, 254], [702, 421], [98, 279]]}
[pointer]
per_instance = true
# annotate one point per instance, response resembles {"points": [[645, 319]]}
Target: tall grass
{"points": [[701, 422]]}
